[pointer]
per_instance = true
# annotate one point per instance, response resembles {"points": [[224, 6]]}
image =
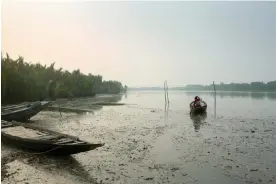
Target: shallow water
{"points": [[146, 142]]}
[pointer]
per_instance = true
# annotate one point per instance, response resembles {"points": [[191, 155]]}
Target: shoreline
{"points": [[145, 146], [61, 100]]}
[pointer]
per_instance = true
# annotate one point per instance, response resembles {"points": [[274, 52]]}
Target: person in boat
{"points": [[197, 102]]}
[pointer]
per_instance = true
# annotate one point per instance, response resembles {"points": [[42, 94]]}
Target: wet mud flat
{"points": [[19, 167], [88, 103], [144, 145]]}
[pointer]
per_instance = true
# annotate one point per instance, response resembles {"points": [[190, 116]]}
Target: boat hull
{"points": [[22, 113], [198, 110], [49, 147]]}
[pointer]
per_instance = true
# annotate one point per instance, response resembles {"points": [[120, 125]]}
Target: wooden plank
{"points": [[65, 141], [49, 137], [20, 131]]}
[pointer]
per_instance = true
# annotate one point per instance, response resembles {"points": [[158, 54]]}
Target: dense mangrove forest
{"points": [[23, 81]]}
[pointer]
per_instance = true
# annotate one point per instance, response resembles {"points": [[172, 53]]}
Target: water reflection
{"points": [[258, 95], [235, 94], [271, 96], [215, 104], [198, 120], [166, 111]]}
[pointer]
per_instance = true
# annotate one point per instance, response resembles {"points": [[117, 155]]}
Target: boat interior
{"points": [[25, 132]]}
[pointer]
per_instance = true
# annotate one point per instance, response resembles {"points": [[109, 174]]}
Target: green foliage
{"points": [[22, 81], [253, 86]]}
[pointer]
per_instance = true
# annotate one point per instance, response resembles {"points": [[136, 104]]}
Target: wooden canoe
{"points": [[15, 105], [22, 112], [199, 109], [40, 140], [45, 104]]}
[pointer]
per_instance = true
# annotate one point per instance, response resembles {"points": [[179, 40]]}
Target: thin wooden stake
{"points": [[166, 89], [215, 97], [165, 92]]}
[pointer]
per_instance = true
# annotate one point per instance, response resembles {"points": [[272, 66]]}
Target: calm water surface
{"points": [[228, 104], [148, 142]]}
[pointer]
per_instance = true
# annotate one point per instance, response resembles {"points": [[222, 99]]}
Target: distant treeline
{"points": [[253, 86], [234, 94], [146, 89], [22, 81]]}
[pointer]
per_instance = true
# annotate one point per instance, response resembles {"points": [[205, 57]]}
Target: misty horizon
{"points": [[184, 85], [145, 43]]}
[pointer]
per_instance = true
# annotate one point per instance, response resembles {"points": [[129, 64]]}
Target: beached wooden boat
{"points": [[15, 106], [22, 112], [45, 104], [199, 109], [40, 140]]}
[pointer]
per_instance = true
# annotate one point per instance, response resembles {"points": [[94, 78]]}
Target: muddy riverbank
{"points": [[147, 144]]}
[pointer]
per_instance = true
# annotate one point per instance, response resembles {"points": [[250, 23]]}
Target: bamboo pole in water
{"points": [[215, 97], [166, 89]]}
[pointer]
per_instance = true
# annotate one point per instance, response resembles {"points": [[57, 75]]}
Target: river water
{"points": [[147, 141]]}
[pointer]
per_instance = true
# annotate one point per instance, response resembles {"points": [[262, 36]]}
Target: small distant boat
{"points": [[40, 140], [22, 112], [199, 109]]}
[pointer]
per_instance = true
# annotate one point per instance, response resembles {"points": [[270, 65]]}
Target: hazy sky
{"points": [[145, 43]]}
